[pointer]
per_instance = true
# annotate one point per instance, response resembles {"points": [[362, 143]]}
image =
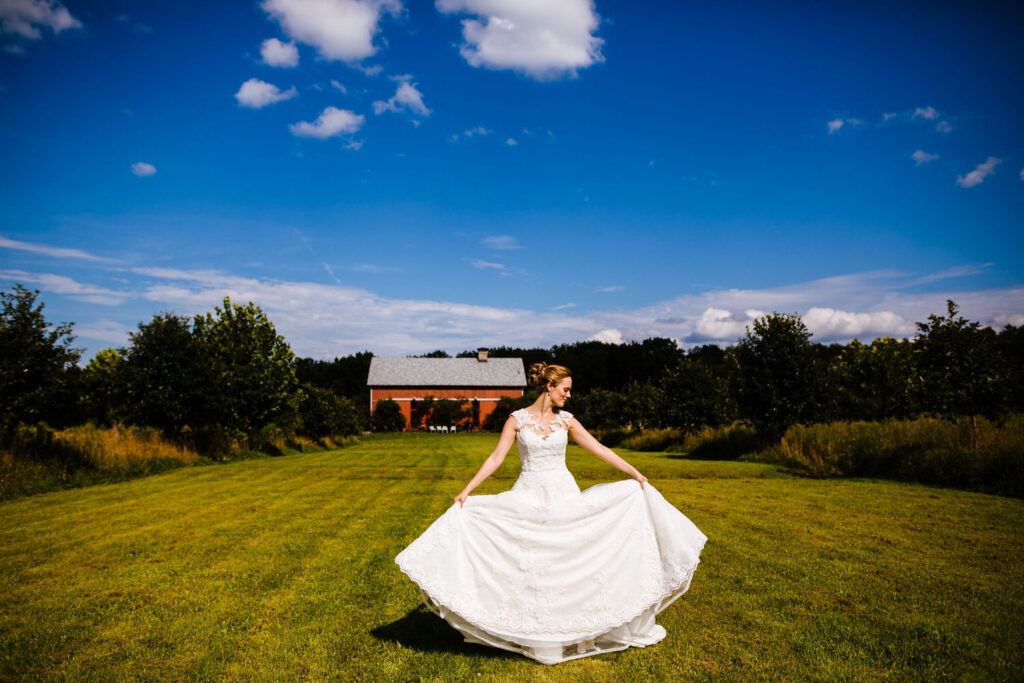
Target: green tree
{"points": [[497, 418], [324, 413], [104, 386], [387, 416], [35, 360], [420, 411], [447, 412], [960, 366], [875, 381], [776, 374], [251, 367], [167, 375], [692, 397]]}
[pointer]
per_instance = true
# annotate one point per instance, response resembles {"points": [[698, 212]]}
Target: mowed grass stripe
{"points": [[282, 569]]}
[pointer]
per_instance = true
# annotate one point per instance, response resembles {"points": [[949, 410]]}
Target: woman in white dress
{"points": [[545, 569]]}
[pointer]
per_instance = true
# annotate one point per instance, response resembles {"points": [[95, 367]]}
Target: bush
{"points": [[388, 417], [324, 413], [653, 440], [927, 450]]}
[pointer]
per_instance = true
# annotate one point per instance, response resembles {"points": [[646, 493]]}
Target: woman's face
{"points": [[560, 392]]}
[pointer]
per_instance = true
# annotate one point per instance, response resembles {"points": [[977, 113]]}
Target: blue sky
{"points": [[400, 177]]}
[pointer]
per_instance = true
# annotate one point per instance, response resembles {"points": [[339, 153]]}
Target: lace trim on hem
{"points": [[680, 583]]}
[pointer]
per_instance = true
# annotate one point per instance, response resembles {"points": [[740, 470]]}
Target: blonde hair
{"points": [[542, 374]]}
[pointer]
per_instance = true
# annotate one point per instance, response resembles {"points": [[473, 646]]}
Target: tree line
{"points": [[228, 375], [207, 381]]}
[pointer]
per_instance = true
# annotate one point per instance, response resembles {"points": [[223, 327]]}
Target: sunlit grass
{"points": [[282, 569]]}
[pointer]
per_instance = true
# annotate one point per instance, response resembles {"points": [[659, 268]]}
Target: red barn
{"points": [[481, 380]]}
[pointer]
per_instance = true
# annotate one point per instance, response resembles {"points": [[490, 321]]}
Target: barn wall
{"points": [[488, 397]]}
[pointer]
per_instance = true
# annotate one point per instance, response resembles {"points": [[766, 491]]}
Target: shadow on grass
{"points": [[423, 630]]}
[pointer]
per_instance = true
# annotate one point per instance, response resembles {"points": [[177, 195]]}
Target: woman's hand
{"points": [[461, 498], [640, 478]]}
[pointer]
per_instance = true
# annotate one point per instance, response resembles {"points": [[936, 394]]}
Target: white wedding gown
{"points": [[552, 572]]}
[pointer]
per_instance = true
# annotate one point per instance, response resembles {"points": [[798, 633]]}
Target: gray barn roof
{"points": [[446, 372]]}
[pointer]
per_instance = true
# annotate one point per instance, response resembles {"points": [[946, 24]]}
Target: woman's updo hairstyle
{"points": [[542, 374]]}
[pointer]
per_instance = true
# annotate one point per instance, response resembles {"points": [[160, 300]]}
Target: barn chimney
{"points": [[481, 354]]}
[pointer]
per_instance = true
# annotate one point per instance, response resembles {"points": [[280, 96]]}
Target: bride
{"points": [[545, 569]]}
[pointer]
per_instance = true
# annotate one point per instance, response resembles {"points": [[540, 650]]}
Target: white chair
{"points": [[452, 430], [433, 428]]}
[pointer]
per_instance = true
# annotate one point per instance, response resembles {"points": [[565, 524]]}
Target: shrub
{"points": [[927, 450], [653, 440], [388, 417]]}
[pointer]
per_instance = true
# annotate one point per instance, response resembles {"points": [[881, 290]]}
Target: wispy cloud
{"points": [[143, 170], [324, 320], [61, 284], [616, 288], [922, 157], [835, 125], [501, 242], [980, 172], [371, 268], [55, 252], [26, 18], [484, 265], [407, 96]]}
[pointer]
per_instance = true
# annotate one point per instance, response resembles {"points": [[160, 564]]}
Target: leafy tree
{"points": [[601, 409], [388, 417], [1011, 348], [168, 377], [345, 376], [447, 412], [875, 381], [959, 364], [420, 411], [35, 360], [252, 368], [440, 353], [497, 418], [776, 374], [324, 413], [104, 386], [692, 396]]}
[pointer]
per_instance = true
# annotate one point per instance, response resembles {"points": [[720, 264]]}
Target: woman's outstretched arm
{"points": [[586, 440], [493, 461]]}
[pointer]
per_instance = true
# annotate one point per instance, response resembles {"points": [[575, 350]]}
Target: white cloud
{"points": [[338, 86], [256, 94], [142, 169], [341, 30], [483, 265], [25, 18], [928, 113], [327, 320], [616, 288], [107, 331], [479, 130], [1022, 174], [511, 142], [61, 284], [332, 121], [544, 40], [922, 157], [835, 124], [943, 127], [355, 145], [405, 97], [562, 307], [55, 252], [608, 336], [276, 53], [501, 242], [980, 172]]}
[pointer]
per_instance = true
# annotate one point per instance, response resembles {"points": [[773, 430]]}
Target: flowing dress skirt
{"points": [[554, 573]]}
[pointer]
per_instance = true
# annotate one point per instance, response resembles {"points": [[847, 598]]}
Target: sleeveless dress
{"points": [[552, 572]]}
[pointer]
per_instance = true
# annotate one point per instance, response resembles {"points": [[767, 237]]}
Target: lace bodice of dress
{"points": [[542, 446]]}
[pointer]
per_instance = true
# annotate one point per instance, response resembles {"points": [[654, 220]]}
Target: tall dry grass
{"points": [[926, 450], [120, 447]]}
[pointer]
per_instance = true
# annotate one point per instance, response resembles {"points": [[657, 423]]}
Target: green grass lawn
{"points": [[282, 569]]}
